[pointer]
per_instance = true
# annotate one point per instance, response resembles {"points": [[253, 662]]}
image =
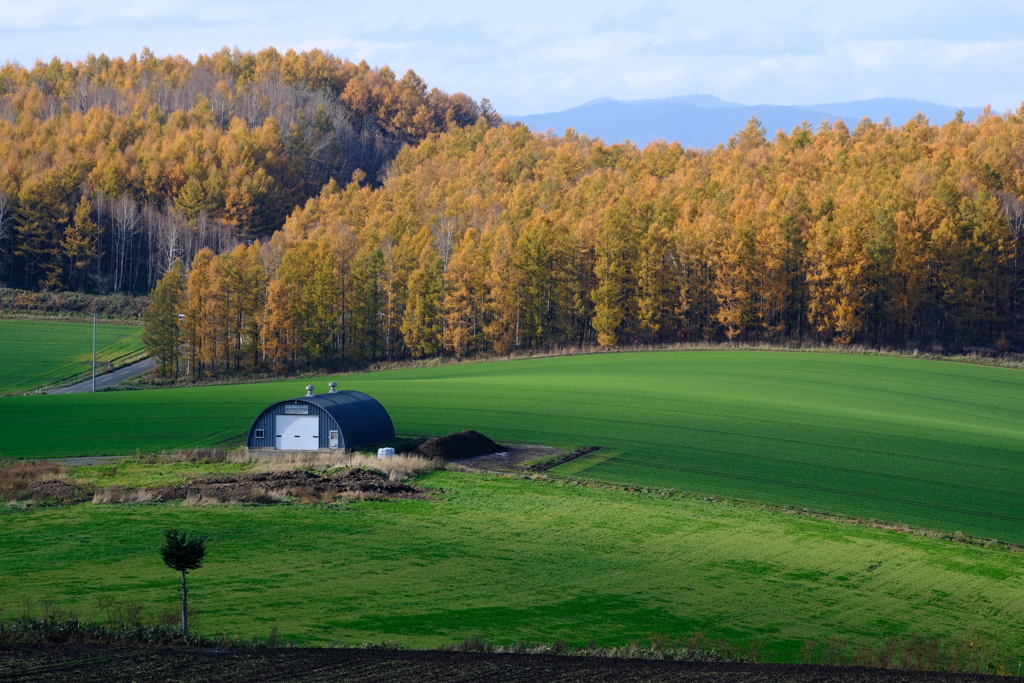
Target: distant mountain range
{"points": [[705, 120]]}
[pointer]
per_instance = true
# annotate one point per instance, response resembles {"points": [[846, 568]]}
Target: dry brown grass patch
{"points": [[115, 494], [397, 468], [36, 480], [253, 494]]}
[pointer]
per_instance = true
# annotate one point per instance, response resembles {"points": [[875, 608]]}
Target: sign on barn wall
{"points": [[301, 409]]}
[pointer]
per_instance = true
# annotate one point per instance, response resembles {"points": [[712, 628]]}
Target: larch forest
{"points": [[297, 211]]}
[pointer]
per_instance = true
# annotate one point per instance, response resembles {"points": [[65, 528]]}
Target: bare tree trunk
{"points": [[126, 224], [171, 240], [444, 238], [184, 606], [4, 235], [1013, 211]]}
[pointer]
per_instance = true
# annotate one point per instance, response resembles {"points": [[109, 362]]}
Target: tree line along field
{"points": [[917, 441], [494, 238], [37, 353], [509, 559]]}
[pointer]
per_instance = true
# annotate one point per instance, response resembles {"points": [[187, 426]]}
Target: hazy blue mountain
{"points": [[705, 120], [702, 101], [898, 109]]}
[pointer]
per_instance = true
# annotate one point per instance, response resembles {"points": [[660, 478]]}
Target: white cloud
{"points": [[537, 55], [874, 56]]}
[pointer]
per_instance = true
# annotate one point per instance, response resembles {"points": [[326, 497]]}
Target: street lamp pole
{"points": [[94, 353]]}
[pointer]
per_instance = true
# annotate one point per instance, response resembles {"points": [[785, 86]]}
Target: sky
{"points": [[533, 56]]}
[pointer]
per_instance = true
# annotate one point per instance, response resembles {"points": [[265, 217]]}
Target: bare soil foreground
{"points": [[256, 487], [68, 662], [294, 483]]}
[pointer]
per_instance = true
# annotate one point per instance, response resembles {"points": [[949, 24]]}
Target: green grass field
{"points": [[36, 353], [928, 443], [508, 559]]}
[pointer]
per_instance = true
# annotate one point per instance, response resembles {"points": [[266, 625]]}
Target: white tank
{"points": [[385, 452]]}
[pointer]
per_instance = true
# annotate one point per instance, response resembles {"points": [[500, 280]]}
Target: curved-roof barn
{"points": [[337, 419]]}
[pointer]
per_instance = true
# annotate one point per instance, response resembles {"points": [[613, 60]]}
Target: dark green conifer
{"points": [[183, 554]]}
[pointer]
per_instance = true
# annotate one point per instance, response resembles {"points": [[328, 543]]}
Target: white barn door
{"points": [[297, 432]]}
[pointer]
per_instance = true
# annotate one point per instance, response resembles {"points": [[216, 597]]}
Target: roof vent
{"points": [[309, 390], [334, 387]]}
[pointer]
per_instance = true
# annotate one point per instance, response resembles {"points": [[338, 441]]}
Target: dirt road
{"points": [[108, 379]]}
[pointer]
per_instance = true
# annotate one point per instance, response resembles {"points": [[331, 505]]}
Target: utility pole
{"points": [[94, 353]]}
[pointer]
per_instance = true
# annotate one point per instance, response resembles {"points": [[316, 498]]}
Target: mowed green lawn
{"points": [[907, 440], [36, 353], [510, 559]]}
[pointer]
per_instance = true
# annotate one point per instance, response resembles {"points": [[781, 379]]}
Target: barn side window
{"points": [[259, 433]]}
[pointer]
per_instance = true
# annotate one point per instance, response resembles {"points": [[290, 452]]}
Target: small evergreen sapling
{"points": [[183, 554]]}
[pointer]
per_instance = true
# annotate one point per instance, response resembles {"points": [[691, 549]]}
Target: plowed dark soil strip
{"points": [[65, 663]]}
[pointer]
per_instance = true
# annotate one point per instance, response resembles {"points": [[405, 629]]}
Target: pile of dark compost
{"points": [[54, 488], [34, 480], [458, 446], [69, 662]]}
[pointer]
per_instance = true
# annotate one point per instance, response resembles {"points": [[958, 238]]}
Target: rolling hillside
{"points": [[510, 560], [906, 440], [37, 353]]}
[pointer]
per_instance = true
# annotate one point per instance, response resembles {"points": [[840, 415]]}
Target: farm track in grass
{"points": [[507, 560], [36, 353], [928, 443]]}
